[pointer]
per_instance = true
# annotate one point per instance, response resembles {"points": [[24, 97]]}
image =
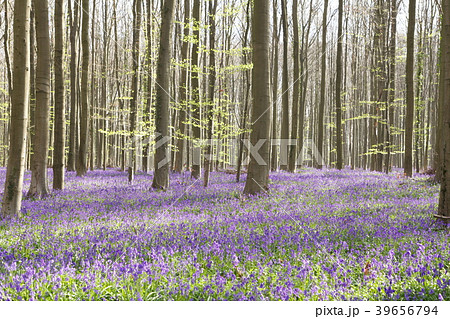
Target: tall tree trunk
{"points": [[93, 101], [60, 118], [273, 157], [174, 113], [7, 97], [102, 147], [296, 90], [304, 76], [444, 199], [409, 119], [438, 156], [211, 87], [258, 169], [183, 94], [391, 95], [339, 164], [6, 50], [31, 122], [39, 185], [195, 108], [121, 116], [381, 84], [375, 74], [73, 147], [12, 195], [285, 92], [322, 84], [137, 9], [148, 105], [162, 111], [246, 84], [418, 137], [84, 117]]}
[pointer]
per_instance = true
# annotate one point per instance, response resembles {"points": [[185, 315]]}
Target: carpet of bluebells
{"points": [[318, 235]]}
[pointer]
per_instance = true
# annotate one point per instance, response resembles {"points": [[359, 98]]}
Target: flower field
{"points": [[318, 235]]}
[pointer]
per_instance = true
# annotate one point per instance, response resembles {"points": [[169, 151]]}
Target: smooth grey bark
{"points": [[31, 124], [73, 145], [444, 196], [6, 48], [322, 84], [391, 92], [81, 163], [409, 119], [148, 104], [195, 106], [162, 111], [274, 76], [211, 88], [12, 195], [93, 91], [39, 184], [258, 172], [60, 125], [183, 91], [118, 86], [304, 77], [296, 90], [102, 147], [137, 11], [246, 84], [339, 159], [285, 91]]}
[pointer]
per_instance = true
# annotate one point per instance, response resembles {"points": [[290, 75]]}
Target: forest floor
{"points": [[318, 235]]}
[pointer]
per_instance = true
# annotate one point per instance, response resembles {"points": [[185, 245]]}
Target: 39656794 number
{"points": [[406, 310]]}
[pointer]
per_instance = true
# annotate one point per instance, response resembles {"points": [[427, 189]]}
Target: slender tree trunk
{"points": [[6, 50], [60, 118], [121, 116], [39, 184], [212, 84], [444, 199], [304, 76], [274, 86], [12, 195], [285, 92], [322, 84], [258, 169], [409, 119], [391, 96], [102, 147], [148, 105], [31, 122], [73, 147], [183, 94], [375, 75], [84, 118], [94, 134], [382, 84], [246, 84], [137, 9], [296, 90], [438, 156], [174, 113], [161, 177], [339, 163], [195, 108], [418, 137]]}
